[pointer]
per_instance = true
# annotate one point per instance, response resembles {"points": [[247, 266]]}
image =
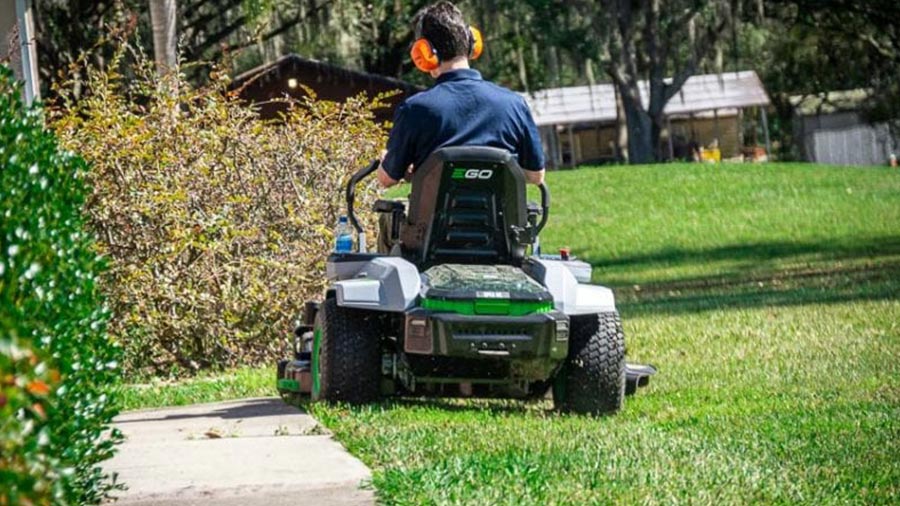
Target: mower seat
{"points": [[467, 206]]}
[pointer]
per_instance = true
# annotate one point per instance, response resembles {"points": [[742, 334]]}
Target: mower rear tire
{"points": [[349, 354], [592, 380]]}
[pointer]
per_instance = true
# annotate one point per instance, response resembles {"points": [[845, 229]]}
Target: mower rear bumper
{"points": [[294, 377], [534, 336]]}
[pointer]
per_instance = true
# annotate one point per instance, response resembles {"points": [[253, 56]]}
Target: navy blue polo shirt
{"points": [[462, 109]]}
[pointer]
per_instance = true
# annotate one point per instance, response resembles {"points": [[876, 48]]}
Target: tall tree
{"points": [[163, 19], [660, 42], [650, 40]]}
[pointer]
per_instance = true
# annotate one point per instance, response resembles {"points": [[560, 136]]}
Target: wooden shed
{"points": [[287, 76], [578, 123]]}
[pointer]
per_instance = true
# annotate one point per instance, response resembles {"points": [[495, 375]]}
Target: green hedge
{"points": [[57, 364]]}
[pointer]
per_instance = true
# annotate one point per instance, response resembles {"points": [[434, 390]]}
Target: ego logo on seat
{"points": [[472, 174]]}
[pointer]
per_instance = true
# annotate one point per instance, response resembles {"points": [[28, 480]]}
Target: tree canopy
{"points": [[797, 46]]}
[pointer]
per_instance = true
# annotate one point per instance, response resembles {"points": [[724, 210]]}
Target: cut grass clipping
{"points": [[768, 298]]}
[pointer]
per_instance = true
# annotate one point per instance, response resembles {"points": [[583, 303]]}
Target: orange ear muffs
{"points": [[477, 43], [424, 56]]}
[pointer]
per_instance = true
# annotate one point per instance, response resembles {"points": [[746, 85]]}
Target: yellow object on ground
{"points": [[711, 155]]}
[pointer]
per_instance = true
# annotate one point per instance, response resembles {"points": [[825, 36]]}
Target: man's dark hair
{"points": [[443, 25]]}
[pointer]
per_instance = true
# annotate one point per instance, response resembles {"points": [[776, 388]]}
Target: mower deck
{"points": [[295, 379]]}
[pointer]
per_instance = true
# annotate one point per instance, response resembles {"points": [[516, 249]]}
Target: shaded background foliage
{"points": [[57, 365], [216, 224], [530, 43], [796, 46]]}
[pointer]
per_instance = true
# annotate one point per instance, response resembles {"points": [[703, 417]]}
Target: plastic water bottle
{"points": [[343, 235]]}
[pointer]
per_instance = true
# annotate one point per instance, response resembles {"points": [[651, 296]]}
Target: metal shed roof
{"points": [[597, 104]]}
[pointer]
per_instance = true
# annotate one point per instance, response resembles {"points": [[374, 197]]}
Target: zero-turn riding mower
{"points": [[459, 307]]}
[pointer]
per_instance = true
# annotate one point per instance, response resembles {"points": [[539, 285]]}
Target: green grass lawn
{"points": [[769, 298], [207, 387]]}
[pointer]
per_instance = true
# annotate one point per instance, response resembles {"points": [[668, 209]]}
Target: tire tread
{"points": [[594, 373], [350, 363]]}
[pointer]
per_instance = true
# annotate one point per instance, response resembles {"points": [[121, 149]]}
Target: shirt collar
{"points": [[459, 75]]}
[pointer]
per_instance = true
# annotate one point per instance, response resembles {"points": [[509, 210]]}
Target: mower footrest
{"points": [[636, 376]]}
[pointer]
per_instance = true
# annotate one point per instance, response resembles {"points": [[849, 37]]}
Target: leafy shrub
{"points": [[56, 361], [217, 224]]}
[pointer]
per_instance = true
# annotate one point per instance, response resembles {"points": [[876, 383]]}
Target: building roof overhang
{"points": [[597, 103]]}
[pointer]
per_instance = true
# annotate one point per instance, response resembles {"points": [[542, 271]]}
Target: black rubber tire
{"points": [[592, 380], [349, 354]]}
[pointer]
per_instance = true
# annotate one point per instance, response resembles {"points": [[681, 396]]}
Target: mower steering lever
{"points": [[351, 199], [545, 207]]}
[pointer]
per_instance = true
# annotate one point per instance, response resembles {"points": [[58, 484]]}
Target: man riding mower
{"points": [[460, 308], [463, 304]]}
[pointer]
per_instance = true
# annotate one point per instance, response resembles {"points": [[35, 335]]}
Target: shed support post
{"points": [[557, 147], [765, 122], [718, 132], [693, 129], [571, 145]]}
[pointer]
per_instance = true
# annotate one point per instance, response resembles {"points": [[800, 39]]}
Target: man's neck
{"points": [[460, 62]]}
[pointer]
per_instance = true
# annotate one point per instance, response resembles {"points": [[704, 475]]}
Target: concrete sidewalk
{"points": [[248, 452]]}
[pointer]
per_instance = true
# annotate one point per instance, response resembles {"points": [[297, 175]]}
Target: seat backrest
{"points": [[467, 206]]}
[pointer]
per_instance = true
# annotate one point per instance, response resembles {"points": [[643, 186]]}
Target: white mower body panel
{"points": [[381, 284], [569, 295]]}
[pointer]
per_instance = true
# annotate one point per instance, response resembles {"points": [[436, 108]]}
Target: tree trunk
{"points": [[656, 130], [655, 114], [640, 129], [163, 16], [520, 58], [553, 65], [621, 129]]}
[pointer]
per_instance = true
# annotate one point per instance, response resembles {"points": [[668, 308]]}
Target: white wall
{"points": [[844, 138]]}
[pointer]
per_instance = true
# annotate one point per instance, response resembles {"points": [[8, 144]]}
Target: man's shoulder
{"points": [[424, 101], [503, 92], [420, 99]]}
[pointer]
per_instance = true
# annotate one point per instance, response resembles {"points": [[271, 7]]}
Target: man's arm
{"points": [[385, 179], [531, 153], [534, 176], [399, 153]]}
